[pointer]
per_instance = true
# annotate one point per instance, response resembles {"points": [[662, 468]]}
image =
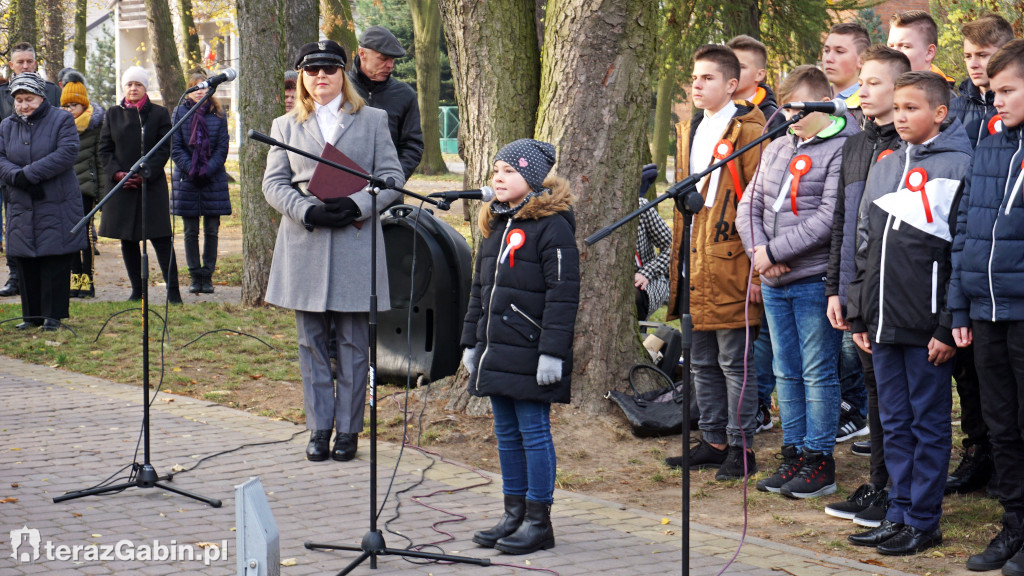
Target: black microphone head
{"points": [[486, 193]]}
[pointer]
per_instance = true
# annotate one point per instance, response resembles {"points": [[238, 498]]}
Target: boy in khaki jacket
{"points": [[719, 265]]}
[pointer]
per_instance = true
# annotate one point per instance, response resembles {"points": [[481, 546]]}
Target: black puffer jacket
{"points": [[523, 304], [398, 99], [860, 153], [43, 148], [765, 100], [90, 174], [121, 145], [974, 110]]}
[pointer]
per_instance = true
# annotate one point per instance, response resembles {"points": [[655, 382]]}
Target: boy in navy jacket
{"points": [[986, 297], [896, 307]]}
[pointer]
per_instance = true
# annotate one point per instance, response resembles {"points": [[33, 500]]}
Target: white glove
{"points": [[549, 370], [469, 360]]}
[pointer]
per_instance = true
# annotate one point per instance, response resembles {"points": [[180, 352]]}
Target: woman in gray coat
{"points": [[38, 147], [322, 255]]}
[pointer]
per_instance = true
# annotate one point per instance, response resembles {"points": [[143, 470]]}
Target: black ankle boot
{"points": [[515, 511], [197, 284], [535, 533], [207, 284]]}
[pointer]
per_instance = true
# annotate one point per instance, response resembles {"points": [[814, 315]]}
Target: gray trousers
{"points": [[334, 403], [717, 360]]}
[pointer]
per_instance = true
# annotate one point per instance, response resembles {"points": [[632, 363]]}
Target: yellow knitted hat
{"points": [[74, 93]]}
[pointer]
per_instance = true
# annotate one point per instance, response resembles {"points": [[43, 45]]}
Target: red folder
{"points": [[329, 182]]}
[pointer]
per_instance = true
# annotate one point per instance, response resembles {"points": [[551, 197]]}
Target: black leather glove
{"points": [[21, 181], [333, 213]]}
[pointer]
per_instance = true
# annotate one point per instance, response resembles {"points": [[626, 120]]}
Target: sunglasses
{"points": [[314, 70]]}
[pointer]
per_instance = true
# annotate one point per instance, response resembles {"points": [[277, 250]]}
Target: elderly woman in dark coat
{"points": [[131, 130], [322, 258], [88, 121], [200, 183], [38, 147]]}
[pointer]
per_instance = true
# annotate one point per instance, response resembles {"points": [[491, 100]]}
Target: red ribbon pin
{"points": [[514, 241], [915, 182], [722, 151], [883, 154], [797, 167], [995, 124]]}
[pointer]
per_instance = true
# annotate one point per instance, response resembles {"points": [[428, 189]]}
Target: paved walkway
{"points": [[63, 431]]}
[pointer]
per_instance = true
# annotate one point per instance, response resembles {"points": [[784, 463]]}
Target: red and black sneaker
{"points": [[817, 477], [792, 461]]}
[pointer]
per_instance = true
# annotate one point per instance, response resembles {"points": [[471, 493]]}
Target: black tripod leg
{"points": [[437, 557], [362, 557], [94, 491], [312, 546], [211, 501]]}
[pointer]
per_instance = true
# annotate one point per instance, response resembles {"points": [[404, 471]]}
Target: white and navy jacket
{"points": [[907, 220]]}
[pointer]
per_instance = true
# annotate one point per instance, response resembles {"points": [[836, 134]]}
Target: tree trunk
{"points": [[52, 49], [339, 25], [742, 17], [668, 74], [190, 34], [594, 106], [426, 22], [262, 35], [164, 52], [495, 66], [301, 27], [81, 24], [23, 26]]}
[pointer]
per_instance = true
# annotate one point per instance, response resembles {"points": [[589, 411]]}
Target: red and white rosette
{"points": [[995, 124], [513, 241], [883, 154], [721, 152], [797, 167], [916, 181]]}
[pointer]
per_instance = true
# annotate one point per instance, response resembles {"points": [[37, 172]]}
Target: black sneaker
{"points": [[1000, 550], [873, 515], [702, 456], [851, 423], [732, 468], [817, 477], [861, 448], [857, 502], [763, 418], [972, 473], [791, 463]]}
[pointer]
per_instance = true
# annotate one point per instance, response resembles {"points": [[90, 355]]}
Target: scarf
{"points": [[139, 104], [199, 141], [503, 209], [82, 122]]}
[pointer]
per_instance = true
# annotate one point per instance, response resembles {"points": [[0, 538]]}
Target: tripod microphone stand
{"points": [[689, 201], [145, 474], [373, 544]]}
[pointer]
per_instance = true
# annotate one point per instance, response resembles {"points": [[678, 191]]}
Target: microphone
{"points": [[227, 75], [835, 107], [485, 193]]}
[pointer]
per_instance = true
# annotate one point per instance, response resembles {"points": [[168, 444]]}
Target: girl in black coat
{"points": [[131, 130], [200, 184], [518, 333]]}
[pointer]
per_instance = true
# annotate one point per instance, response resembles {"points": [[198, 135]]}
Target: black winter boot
{"points": [[207, 281], [515, 511], [535, 533], [196, 286]]}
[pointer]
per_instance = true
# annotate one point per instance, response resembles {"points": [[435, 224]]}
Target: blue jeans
{"points": [[525, 449], [763, 364], [806, 360], [851, 377]]}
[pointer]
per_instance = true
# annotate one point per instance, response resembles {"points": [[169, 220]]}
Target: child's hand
{"points": [[640, 281], [761, 261], [775, 271], [862, 342], [939, 353], [835, 314], [963, 336], [755, 294]]}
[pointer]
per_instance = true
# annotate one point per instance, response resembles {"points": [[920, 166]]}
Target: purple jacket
{"points": [[799, 240]]}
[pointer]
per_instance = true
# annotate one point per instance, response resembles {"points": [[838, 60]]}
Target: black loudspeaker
{"points": [[440, 295]]}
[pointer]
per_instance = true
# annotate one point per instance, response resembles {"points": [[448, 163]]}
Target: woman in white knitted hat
{"points": [[131, 130]]}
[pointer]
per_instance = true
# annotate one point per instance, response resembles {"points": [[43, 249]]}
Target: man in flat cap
{"points": [[371, 76]]}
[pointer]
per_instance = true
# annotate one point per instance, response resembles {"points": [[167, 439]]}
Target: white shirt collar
{"points": [[331, 107], [727, 112]]}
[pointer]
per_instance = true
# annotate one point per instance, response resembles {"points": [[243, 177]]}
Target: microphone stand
{"points": [[373, 544], [685, 192], [146, 475]]}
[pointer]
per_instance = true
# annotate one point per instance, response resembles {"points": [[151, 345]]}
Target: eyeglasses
{"points": [[314, 69]]}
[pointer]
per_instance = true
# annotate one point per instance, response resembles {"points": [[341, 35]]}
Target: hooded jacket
{"points": [[860, 153], [43, 147], [398, 99], [988, 272], [903, 242], [765, 216], [523, 301], [974, 110], [720, 266]]}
